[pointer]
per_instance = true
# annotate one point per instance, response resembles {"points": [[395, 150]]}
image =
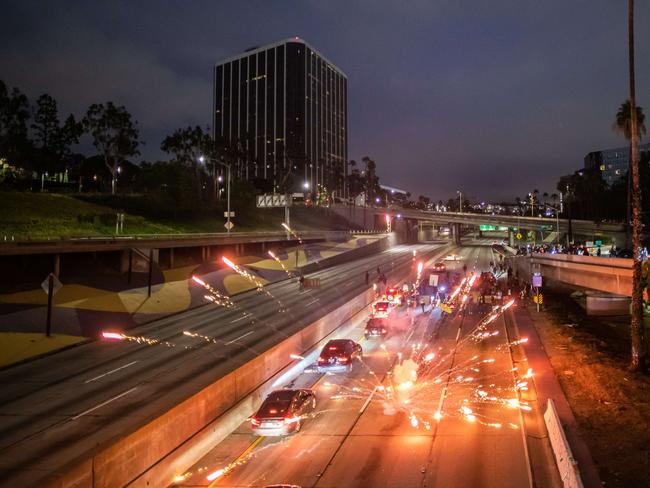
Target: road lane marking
{"points": [[368, 399], [104, 403], [110, 372], [312, 302], [246, 452], [240, 337], [245, 316]]}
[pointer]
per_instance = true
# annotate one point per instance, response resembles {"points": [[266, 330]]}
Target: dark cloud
{"points": [[494, 98]]}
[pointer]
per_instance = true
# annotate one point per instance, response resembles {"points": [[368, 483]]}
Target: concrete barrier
{"points": [[601, 304], [160, 450], [566, 464]]}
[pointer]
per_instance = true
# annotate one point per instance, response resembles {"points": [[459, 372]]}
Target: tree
{"points": [[371, 182], [114, 133], [69, 134], [638, 362], [192, 147], [423, 202], [46, 122], [14, 113], [53, 141]]}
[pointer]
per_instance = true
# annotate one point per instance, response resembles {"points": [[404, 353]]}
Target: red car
{"points": [[381, 309], [394, 296]]}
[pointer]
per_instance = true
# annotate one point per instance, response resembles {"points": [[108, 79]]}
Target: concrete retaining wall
{"points": [[136, 459]]}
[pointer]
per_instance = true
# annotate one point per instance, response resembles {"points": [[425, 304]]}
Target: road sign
{"points": [[56, 284], [274, 200], [537, 280], [229, 225], [232, 214], [433, 280], [519, 236], [539, 299]]}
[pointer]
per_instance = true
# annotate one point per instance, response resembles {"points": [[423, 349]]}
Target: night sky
{"points": [[495, 98]]}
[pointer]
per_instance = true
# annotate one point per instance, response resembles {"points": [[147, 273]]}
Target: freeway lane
{"points": [[360, 437], [61, 407]]}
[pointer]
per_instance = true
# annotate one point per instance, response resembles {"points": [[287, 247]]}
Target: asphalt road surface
{"points": [[55, 410], [363, 436]]}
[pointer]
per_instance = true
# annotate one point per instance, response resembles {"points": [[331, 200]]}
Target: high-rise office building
{"points": [[285, 107], [612, 163]]}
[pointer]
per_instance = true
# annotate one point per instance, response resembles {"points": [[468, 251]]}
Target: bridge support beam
{"points": [[455, 233], [511, 237]]}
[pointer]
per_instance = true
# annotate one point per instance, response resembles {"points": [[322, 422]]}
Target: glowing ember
{"points": [[216, 474], [113, 335]]}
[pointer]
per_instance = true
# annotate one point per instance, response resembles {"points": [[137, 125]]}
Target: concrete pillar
{"points": [[455, 232], [511, 237]]}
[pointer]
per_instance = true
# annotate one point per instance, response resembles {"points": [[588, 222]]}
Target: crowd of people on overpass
{"points": [[579, 249]]}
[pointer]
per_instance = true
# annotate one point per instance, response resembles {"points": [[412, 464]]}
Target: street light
{"points": [[202, 159], [460, 200]]}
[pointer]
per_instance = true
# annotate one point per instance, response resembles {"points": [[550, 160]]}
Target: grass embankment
{"points": [[590, 356], [27, 215]]}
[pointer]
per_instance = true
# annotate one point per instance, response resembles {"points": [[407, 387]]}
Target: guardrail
{"points": [[566, 464]]}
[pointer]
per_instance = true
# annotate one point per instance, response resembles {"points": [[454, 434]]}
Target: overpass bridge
{"points": [[373, 217], [607, 281]]}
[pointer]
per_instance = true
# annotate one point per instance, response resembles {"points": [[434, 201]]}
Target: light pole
{"points": [[460, 200], [228, 224]]}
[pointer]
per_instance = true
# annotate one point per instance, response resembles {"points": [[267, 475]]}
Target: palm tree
{"points": [[638, 362], [623, 125]]}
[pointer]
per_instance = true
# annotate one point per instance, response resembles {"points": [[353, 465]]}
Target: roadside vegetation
{"points": [[36, 216], [590, 357]]}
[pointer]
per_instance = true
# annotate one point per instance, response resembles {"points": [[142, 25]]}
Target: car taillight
{"points": [[321, 359], [383, 331], [289, 419], [343, 360], [255, 421]]}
